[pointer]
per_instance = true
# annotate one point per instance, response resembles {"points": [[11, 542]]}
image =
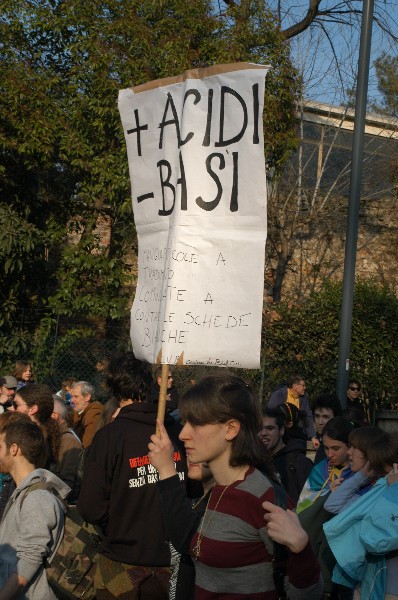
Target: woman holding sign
{"points": [[233, 546]]}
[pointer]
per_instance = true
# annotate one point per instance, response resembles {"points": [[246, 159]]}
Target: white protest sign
{"points": [[196, 159]]}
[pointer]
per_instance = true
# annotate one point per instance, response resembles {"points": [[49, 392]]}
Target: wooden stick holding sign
{"points": [[162, 396]]}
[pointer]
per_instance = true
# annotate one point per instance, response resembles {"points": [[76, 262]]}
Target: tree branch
{"points": [[334, 14], [312, 13]]}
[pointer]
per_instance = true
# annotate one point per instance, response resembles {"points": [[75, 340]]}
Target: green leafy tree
{"points": [[387, 77], [303, 338], [62, 152]]}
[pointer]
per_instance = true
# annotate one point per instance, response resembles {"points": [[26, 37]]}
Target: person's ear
{"points": [[14, 449], [282, 430], [33, 409], [233, 428]]}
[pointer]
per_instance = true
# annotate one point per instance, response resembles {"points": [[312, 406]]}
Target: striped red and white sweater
{"points": [[235, 559]]}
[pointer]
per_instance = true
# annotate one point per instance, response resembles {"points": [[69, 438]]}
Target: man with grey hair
{"points": [[87, 411], [70, 449]]}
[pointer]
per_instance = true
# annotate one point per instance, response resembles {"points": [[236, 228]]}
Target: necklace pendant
{"points": [[196, 551]]}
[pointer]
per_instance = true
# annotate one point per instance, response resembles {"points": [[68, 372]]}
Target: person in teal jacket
{"points": [[364, 537], [364, 477]]}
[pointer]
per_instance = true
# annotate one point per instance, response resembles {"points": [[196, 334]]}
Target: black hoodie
{"points": [[293, 467], [119, 490]]}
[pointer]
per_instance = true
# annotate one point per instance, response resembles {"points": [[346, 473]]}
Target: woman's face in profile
{"points": [[204, 443]]}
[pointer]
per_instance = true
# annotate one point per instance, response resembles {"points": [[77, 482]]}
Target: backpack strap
{"points": [[45, 485], [41, 485], [34, 486]]}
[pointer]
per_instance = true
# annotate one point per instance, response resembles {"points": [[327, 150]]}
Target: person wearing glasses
{"points": [[8, 386], [353, 401]]}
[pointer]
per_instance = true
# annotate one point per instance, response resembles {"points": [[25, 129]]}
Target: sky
{"points": [[313, 51], [328, 57]]}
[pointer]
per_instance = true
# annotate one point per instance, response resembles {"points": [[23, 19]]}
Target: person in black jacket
{"points": [[120, 493], [289, 459], [324, 408], [353, 401]]}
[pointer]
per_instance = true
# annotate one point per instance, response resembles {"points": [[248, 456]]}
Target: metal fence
{"points": [[61, 358], [84, 357]]}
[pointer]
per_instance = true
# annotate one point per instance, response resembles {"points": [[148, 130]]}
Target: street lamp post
{"points": [[354, 203]]}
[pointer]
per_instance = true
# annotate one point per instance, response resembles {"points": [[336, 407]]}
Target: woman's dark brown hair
{"points": [[339, 429], [41, 396], [108, 411], [383, 452], [363, 437], [218, 398]]}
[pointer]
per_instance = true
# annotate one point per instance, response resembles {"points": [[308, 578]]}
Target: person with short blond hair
{"points": [[172, 395]]}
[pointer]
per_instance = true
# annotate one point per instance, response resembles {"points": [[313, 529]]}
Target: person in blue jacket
{"points": [[364, 537], [364, 476]]}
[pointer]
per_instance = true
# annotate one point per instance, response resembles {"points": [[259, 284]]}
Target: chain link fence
{"points": [[81, 351], [70, 357]]}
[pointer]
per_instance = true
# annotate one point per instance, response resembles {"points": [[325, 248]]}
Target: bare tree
{"points": [[307, 204], [307, 207], [320, 13]]}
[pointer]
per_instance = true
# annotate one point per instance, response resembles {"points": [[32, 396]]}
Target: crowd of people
{"points": [[221, 500]]}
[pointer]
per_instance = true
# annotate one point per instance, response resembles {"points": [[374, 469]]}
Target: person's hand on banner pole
{"points": [[161, 452]]}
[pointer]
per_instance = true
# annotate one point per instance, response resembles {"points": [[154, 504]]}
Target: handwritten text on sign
{"points": [[196, 158]]}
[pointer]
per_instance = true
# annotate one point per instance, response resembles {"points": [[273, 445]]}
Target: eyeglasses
{"points": [[354, 389]]}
